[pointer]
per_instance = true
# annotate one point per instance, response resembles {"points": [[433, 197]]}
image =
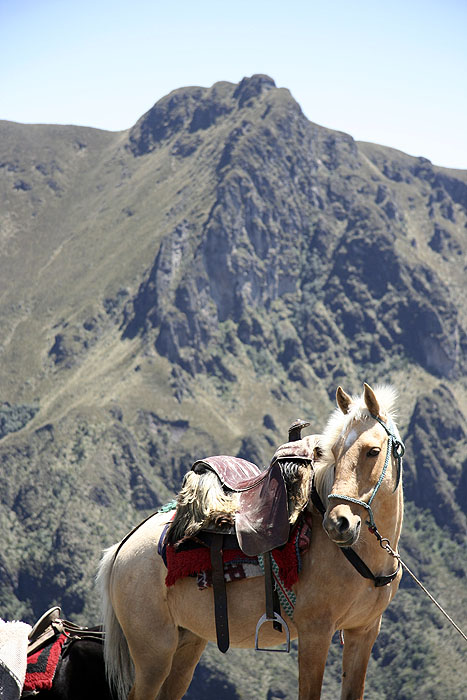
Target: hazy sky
{"points": [[394, 73]]}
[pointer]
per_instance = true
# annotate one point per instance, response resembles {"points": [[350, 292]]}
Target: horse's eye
{"points": [[374, 452]]}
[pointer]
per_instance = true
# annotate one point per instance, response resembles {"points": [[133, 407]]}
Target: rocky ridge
{"points": [[190, 287]]}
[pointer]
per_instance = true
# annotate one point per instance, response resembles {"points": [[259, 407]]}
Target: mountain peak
{"points": [[249, 88], [194, 108]]}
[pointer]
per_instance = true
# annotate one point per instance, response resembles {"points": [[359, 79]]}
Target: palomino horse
{"points": [[155, 635]]}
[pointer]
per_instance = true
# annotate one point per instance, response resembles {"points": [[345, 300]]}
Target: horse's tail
{"points": [[118, 664]]}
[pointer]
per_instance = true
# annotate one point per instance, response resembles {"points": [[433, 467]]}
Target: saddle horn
{"points": [[295, 430]]}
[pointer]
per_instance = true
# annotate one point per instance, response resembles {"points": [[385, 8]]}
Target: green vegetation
{"points": [[192, 286], [13, 418]]}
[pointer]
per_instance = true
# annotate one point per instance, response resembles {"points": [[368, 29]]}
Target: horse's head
{"points": [[362, 442]]}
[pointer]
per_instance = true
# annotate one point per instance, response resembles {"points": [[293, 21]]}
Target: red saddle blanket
{"points": [[42, 664], [193, 562]]}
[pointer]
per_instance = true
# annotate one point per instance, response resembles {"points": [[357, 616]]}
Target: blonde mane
{"points": [[339, 423]]}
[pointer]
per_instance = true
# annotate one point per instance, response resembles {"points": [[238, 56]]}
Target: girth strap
{"points": [[216, 542], [220, 592], [272, 597]]}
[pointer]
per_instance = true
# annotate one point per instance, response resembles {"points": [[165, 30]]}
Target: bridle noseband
{"points": [[396, 448]]}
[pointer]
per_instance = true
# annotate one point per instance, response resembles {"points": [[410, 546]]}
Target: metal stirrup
{"points": [[271, 615], [279, 619]]}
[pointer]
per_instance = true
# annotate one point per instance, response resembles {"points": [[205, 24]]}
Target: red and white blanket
{"points": [[237, 565], [42, 665]]}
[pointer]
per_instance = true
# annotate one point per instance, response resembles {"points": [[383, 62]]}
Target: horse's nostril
{"points": [[342, 524]]}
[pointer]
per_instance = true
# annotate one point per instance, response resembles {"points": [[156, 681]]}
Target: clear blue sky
{"points": [[393, 72]]}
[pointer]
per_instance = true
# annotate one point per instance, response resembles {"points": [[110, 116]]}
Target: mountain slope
{"points": [[191, 286]]}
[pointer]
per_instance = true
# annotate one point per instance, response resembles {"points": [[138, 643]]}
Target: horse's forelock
{"points": [[339, 423]]}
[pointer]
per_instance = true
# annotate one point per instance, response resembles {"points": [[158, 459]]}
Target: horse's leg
{"points": [[357, 650], [313, 647], [153, 661], [190, 647]]}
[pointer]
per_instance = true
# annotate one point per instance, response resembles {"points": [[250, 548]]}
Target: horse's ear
{"points": [[343, 400], [370, 400]]}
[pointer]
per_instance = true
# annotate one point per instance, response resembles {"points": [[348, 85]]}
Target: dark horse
{"points": [[80, 672]]}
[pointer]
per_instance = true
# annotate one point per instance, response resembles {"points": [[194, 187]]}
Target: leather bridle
{"points": [[395, 447]]}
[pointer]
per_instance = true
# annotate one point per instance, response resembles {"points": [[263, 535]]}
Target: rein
{"points": [[384, 544], [394, 447]]}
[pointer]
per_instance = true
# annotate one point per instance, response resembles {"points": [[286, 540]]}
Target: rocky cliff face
{"points": [[437, 470], [190, 287], [307, 219]]}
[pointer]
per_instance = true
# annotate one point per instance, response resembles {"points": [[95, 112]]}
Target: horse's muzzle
{"points": [[342, 526]]}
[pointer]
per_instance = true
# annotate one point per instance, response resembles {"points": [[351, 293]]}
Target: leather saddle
{"points": [[261, 524], [51, 625], [47, 627], [262, 519]]}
